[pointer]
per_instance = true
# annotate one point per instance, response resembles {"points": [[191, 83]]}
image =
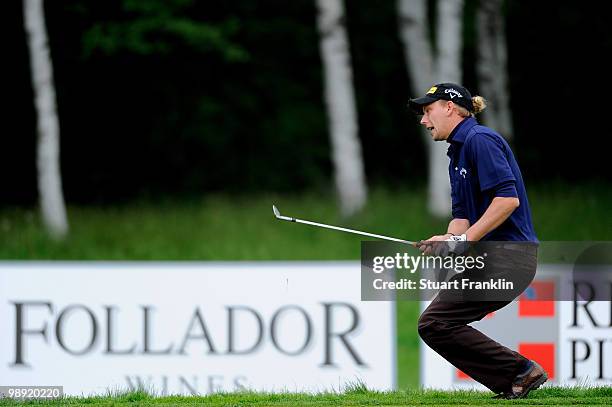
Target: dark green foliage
{"points": [[186, 97], [156, 27]]}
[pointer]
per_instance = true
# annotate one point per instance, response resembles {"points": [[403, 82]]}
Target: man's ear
{"points": [[449, 107]]}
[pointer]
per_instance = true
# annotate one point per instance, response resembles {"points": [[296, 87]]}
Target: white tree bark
{"points": [[47, 158], [449, 27], [417, 49], [427, 69], [492, 66], [342, 112]]}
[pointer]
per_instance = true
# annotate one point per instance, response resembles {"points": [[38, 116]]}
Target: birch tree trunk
{"points": [[427, 69], [47, 157], [492, 66], [417, 48], [449, 30], [340, 100]]}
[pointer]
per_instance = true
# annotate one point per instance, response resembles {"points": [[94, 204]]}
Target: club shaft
{"points": [[358, 232]]}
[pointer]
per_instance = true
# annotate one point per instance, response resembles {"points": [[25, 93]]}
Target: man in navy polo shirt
{"points": [[489, 203]]}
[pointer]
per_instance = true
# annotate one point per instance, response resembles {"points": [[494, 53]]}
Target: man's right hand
{"points": [[427, 246]]}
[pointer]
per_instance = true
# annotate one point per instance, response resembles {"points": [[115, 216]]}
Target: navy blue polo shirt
{"points": [[482, 166]]}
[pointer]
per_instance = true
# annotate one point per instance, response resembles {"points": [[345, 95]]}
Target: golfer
{"points": [[489, 203]]}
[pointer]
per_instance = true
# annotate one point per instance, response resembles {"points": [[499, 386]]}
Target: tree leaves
{"points": [[156, 27]]}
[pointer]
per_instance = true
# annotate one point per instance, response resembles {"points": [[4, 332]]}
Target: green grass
{"points": [[215, 228], [358, 396], [220, 227]]}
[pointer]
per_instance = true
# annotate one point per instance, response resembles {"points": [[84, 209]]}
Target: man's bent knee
{"points": [[429, 328], [426, 326]]}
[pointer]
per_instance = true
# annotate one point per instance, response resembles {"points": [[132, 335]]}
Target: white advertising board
{"points": [[192, 328]]}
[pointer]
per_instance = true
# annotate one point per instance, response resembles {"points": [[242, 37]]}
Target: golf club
{"points": [[278, 215]]}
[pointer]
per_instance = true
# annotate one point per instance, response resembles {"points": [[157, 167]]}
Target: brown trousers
{"points": [[444, 325]]}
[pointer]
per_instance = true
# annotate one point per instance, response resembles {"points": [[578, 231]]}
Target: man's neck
{"points": [[454, 123]]}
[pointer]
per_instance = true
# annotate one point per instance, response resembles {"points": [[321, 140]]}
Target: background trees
{"points": [[433, 59], [183, 98]]}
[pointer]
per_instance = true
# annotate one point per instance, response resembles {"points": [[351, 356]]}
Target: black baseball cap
{"points": [[443, 91]]}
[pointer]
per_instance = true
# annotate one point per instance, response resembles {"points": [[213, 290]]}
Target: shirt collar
{"points": [[461, 130]]}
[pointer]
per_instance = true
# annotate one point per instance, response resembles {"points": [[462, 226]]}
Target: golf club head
{"points": [[279, 216]]}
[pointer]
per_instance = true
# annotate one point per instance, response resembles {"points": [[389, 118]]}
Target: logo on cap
{"points": [[431, 90], [453, 92]]}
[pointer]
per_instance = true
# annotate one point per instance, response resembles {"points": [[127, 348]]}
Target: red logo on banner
{"points": [[538, 300]]}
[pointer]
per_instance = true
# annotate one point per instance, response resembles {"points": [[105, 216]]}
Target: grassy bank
{"points": [[221, 227]]}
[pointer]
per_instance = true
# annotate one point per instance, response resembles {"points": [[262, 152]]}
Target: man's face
{"points": [[436, 119]]}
